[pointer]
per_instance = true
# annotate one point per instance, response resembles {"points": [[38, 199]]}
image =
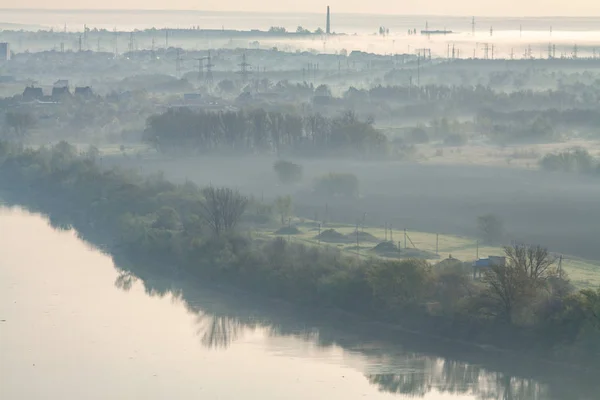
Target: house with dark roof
{"points": [[59, 93], [85, 92], [33, 93]]}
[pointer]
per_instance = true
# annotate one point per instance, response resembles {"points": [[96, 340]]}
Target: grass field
{"points": [[583, 273]]}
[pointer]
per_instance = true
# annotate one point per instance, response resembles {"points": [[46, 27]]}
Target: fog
{"points": [[381, 171]]}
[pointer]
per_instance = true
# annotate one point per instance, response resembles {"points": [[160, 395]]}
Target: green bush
{"points": [[288, 172], [337, 184]]}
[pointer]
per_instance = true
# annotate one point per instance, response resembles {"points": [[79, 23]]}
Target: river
{"points": [[75, 323]]}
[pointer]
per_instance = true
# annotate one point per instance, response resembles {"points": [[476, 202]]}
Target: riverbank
{"points": [[126, 207]]}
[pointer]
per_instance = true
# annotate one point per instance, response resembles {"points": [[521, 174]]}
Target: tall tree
{"points": [[223, 208]]}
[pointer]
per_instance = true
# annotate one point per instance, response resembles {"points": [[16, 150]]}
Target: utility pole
{"points": [[200, 68], [473, 26], [166, 39], [419, 70], [357, 242], [319, 236], [405, 238], [178, 64]]}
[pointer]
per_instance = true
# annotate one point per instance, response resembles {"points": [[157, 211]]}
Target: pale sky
{"points": [[445, 7]]}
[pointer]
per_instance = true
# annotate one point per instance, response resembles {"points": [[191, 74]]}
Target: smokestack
{"points": [[328, 30]]}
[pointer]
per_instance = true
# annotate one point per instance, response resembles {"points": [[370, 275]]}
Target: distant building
{"points": [[85, 92], [33, 93], [4, 52], [59, 93], [483, 264]]}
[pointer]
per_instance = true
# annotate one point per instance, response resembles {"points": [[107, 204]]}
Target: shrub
{"points": [[288, 172], [574, 160], [337, 184]]}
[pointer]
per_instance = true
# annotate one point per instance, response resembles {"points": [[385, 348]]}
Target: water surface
{"points": [[75, 327]]}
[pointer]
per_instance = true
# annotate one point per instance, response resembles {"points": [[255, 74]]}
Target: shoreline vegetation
{"points": [[526, 306]]}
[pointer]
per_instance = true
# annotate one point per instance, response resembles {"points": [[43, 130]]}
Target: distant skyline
{"points": [[509, 8]]}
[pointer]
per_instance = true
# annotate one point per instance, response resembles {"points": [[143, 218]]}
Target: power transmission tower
{"points": [[131, 46], [166, 39], [473, 26], [116, 42], [244, 72], [209, 74]]}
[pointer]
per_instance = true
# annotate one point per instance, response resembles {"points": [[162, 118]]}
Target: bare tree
{"points": [[534, 261], [526, 270], [223, 208]]}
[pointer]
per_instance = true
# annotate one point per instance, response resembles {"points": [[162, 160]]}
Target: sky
{"points": [[430, 7]]}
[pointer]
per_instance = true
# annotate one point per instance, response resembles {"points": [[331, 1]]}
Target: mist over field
{"points": [[365, 195]]}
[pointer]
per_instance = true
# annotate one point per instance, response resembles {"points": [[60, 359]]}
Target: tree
{"points": [[222, 208], [490, 228], [400, 283], [505, 286], [167, 218], [20, 122], [288, 172], [323, 90], [226, 86], [535, 262], [284, 207], [334, 184], [510, 284]]}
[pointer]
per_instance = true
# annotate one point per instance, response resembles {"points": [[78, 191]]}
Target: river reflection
{"points": [[253, 347]]}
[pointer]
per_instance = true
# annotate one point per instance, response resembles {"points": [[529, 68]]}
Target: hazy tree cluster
{"points": [[526, 302], [466, 97], [260, 132], [573, 161]]}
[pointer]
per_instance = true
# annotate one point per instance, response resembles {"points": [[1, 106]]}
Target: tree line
{"points": [[262, 132], [526, 303]]}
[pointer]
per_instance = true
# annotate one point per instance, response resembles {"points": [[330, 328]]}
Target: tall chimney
{"points": [[328, 30]]}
